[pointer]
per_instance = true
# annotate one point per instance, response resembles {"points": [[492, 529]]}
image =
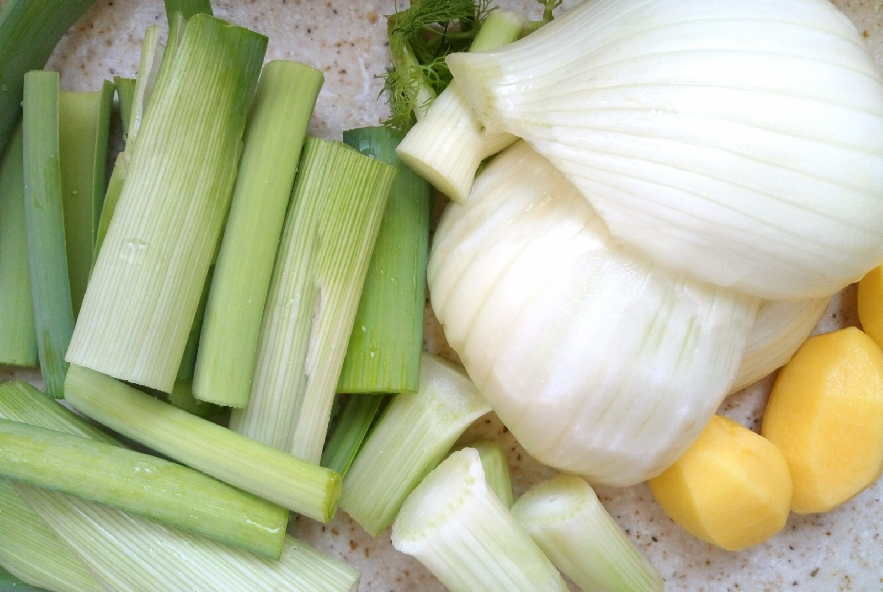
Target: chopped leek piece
{"points": [[111, 197], [571, 526], [18, 347], [274, 136], [29, 31], [135, 554], [383, 355], [141, 484], [44, 224], [352, 425], [254, 467], [152, 52], [125, 88], [459, 529], [412, 435], [182, 398], [496, 469], [147, 281], [338, 201], [83, 128], [187, 8], [10, 582], [187, 367]]}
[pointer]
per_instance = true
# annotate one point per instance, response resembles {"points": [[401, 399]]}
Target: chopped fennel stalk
{"points": [[18, 347], [571, 526], [141, 484], [383, 355], [29, 31], [26, 540], [254, 467], [459, 529], [83, 128], [353, 424], [147, 281], [133, 554], [274, 136], [496, 469], [44, 224], [338, 201], [413, 434]]}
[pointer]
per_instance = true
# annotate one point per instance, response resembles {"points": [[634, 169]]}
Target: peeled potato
{"points": [[870, 304], [826, 415], [732, 488]]}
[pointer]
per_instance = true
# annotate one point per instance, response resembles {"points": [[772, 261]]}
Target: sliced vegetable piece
{"points": [[870, 304], [274, 137], [18, 347], [412, 435], [567, 520], [141, 484], [353, 422], [125, 88], [329, 231], [83, 128], [732, 488], [254, 467], [825, 413], [44, 224], [182, 398], [29, 31], [496, 469], [147, 281], [458, 528], [383, 355]]}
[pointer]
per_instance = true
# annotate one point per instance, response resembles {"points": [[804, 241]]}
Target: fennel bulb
{"points": [[600, 362], [740, 143]]}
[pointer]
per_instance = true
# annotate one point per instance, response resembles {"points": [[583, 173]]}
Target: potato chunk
{"points": [[826, 415], [870, 304], [731, 488]]}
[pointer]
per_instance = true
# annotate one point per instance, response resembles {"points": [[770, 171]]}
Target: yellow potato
{"points": [[731, 488], [826, 415], [870, 304]]}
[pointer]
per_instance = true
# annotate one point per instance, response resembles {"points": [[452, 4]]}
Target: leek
{"points": [[268, 473], [125, 88], [273, 140], [383, 355], [337, 205], [571, 526], [187, 367], [182, 398], [10, 582], [496, 469], [187, 8], [29, 31], [412, 435], [18, 347], [83, 128], [352, 424], [141, 484], [44, 223], [151, 269], [455, 526]]}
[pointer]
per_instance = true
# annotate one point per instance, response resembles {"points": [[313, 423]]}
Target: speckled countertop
{"points": [[841, 550]]}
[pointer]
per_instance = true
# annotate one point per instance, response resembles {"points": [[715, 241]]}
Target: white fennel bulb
{"points": [[735, 141], [600, 362], [780, 328]]}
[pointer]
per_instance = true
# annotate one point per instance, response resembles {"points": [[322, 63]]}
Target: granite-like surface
{"points": [[842, 550]]}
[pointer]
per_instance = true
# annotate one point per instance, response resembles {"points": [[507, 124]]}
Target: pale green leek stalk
{"points": [[338, 201], [83, 128], [353, 423], [29, 31], [187, 367], [461, 531], [383, 355], [274, 136], [134, 554], [412, 435], [44, 223], [496, 469], [254, 467], [182, 398], [141, 484], [187, 8], [147, 281], [18, 347], [571, 526], [125, 88], [9, 582], [26, 541], [446, 146]]}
